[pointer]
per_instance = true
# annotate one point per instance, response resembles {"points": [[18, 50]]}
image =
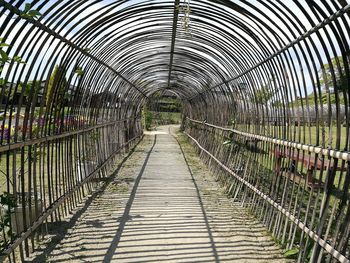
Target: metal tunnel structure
{"points": [[265, 91]]}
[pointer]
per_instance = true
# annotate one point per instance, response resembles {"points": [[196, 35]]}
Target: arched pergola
{"points": [[265, 91]]}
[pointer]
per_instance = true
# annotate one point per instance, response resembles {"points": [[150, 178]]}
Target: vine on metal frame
{"points": [[185, 19]]}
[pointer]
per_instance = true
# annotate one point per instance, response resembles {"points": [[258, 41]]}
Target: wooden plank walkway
{"points": [[159, 210]]}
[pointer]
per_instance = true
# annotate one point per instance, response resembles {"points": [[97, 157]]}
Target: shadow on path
{"points": [[210, 234], [172, 212], [59, 230], [126, 215]]}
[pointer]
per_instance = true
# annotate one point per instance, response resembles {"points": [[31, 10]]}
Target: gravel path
{"points": [[159, 210]]}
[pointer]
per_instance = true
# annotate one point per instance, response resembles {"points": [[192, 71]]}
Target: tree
{"points": [[325, 76], [56, 88], [263, 95]]}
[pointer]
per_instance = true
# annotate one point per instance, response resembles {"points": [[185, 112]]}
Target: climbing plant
{"points": [[5, 58], [147, 117], [7, 202], [27, 12]]}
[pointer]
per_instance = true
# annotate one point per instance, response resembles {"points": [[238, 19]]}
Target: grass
{"points": [[194, 159], [160, 118], [41, 167], [302, 134], [262, 168], [151, 119], [310, 99], [118, 186]]}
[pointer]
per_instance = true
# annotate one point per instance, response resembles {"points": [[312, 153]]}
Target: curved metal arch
{"points": [[237, 54]]}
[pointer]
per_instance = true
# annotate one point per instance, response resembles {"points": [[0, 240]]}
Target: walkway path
{"points": [[157, 210]]}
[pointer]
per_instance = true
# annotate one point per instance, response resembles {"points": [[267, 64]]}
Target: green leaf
{"points": [[29, 13], [33, 13], [18, 59], [4, 56], [87, 49], [24, 15], [79, 71], [291, 253], [227, 142], [4, 45], [2, 82], [27, 7]]}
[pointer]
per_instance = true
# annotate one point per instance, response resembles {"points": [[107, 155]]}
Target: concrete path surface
{"points": [[159, 210]]}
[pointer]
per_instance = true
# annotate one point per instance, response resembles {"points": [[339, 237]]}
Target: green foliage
{"points": [[232, 122], [166, 118], [4, 57], [79, 71], [57, 84], [291, 253], [277, 104], [310, 99], [148, 117], [29, 13], [25, 88], [3, 44], [227, 142], [18, 59], [263, 95], [7, 201], [27, 7], [169, 117], [34, 154], [326, 80], [339, 72], [50, 85]]}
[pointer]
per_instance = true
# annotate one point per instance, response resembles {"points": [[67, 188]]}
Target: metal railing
{"points": [[293, 208]]}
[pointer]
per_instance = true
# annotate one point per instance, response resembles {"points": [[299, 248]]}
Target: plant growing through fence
{"points": [[79, 71], [147, 117], [7, 202], [29, 13], [4, 58]]}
